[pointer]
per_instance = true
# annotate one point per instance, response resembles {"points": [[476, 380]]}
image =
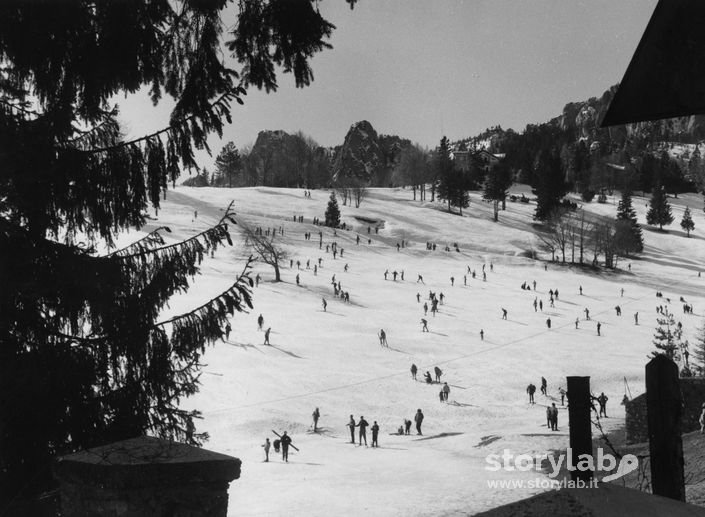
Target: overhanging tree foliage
{"points": [[84, 357]]}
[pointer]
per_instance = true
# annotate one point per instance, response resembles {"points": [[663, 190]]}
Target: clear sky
{"points": [[424, 69]]}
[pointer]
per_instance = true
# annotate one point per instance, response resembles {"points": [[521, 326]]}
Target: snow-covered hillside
{"points": [[333, 360]]}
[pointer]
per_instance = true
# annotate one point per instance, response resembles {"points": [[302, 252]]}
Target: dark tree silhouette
{"points": [[84, 356], [659, 208], [633, 239], [332, 215], [268, 251], [687, 221]]}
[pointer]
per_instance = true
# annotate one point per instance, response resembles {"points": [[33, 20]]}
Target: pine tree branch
{"points": [[150, 238], [235, 285], [221, 224], [222, 100]]}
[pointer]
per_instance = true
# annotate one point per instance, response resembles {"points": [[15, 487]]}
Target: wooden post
{"points": [[579, 408], [663, 409]]}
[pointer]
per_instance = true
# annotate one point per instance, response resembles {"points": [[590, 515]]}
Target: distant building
{"points": [[482, 158]]}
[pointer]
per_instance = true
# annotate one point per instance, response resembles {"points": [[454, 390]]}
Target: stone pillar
{"points": [[145, 476], [579, 408]]}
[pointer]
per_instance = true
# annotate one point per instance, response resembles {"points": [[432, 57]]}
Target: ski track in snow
{"points": [[333, 360]]}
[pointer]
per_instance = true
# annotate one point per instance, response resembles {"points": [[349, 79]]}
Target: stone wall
{"points": [[145, 477], [693, 392]]}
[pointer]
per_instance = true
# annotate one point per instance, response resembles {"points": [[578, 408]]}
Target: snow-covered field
{"points": [[333, 360]]}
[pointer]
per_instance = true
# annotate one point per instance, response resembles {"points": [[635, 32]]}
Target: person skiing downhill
{"points": [[266, 336], [413, 371], [260, 322], [424, 324], [383, 337]]}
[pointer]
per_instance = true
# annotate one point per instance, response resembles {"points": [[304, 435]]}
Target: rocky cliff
{"points": [[366, 156]]}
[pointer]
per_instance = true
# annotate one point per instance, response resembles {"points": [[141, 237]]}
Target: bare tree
{"points": [[358, 192], [266, 249]]}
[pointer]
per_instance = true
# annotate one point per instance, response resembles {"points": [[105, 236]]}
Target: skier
{"points": [[266, 446], [257, 279], [260, 322], [531, 389], [425, 325], [427, 377], [266, 336], [228, 329], [541, 305], [420, 279], [418, 418], [407, 426], [446, 391], [285, 442], [587, 314], [602, 401], [425, 308], [418, 297], [482, 335], [413, 371], [581, 290], [316, 415], [618, 310], [563, 394], [504, 313], [544, 385], [386, 273], [394, 274], [599, 326], [345, 268], [636, 318], [375, 433], [362, 424], [554, 417], [297, 279], [352, 426], [536, 303], [548, 322], [438, 373], [382, 338], [577, 320], [325, 304], [452, 281]]}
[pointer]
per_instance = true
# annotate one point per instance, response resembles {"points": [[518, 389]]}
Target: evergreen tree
{"points": [[626, 212], [659, 208], [332, 214], [667, 338], [498, 181], [549, 184], [452, 183], [84, 356], [687, 222], [227, 165]]}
